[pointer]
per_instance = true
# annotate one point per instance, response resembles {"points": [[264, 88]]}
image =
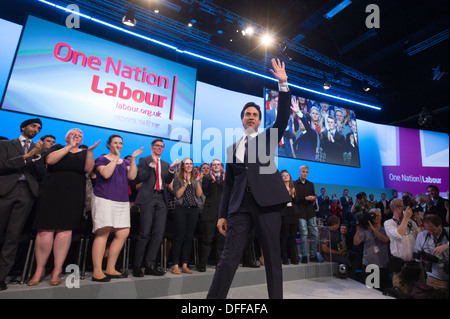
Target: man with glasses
{"points": [[153, 197], [402, 232]]}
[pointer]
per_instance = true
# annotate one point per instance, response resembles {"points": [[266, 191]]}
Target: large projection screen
{"points": [[65, 74], [317, 131]]}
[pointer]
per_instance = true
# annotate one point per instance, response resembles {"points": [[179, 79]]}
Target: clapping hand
{"points": [[174, 164], [36, 151], [90, 149], [199, 177], [137, 152]]}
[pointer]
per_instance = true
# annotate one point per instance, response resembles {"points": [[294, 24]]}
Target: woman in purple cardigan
{"points": [[110, 207]]}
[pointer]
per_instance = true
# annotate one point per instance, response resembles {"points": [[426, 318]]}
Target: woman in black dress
{"points": [[61, 202]]}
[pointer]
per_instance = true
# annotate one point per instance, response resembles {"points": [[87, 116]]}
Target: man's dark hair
{"points": [[250, 104], [48, 135], [333, 220], [432, 219], [433, 187], [157, 140]]}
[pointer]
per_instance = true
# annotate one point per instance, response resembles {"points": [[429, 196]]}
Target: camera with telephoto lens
{"points": [[426, 258], [408, 202], [362, 220]]}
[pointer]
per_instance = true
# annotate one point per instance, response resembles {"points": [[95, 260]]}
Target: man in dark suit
{"points": [[436, 204], [253, 195], [212, 186], [352, 145], [21, 166], [153, 197], [347, 203], [333, 143]]}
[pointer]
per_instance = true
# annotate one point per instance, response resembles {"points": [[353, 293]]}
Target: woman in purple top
{"points": [[110, 207]]}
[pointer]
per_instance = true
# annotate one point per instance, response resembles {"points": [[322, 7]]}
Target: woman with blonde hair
{"points": [[61, 202]]}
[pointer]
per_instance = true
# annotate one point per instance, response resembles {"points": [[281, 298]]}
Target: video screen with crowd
{"points": [[317, 131]]}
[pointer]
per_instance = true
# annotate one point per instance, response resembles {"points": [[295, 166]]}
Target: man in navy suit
{"points": [[21, 166], [153, 197], [253, 195]]}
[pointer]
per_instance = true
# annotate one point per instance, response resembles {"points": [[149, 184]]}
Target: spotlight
{"points": [[249, 31], [365, 86], [129, 18], [267, 40], [326, 83]]}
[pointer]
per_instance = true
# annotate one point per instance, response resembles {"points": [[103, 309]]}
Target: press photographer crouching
{"points": [[432, 251], [402, 232]]}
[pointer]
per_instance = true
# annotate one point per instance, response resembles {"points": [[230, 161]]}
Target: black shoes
{"points": [[121, 276], [201, 268], [304, 259], [154, 271], [104, 279], [3, 286], [137, 272]]}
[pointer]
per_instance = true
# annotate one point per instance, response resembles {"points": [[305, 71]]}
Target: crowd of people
{"points": [[56, 185]]}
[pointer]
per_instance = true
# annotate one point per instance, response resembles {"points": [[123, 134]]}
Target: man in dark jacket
{"points": [[253, 195], [305, 198], [21, 166]]}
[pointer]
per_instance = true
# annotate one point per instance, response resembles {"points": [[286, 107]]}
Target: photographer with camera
{"points": [[432, 250], [371, 232], [360, 206], [402, 233]]}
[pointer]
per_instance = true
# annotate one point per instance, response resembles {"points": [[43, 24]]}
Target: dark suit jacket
{"points": [[212, 192], [306, 144], [267, 189], [334, 150], [12, 166], [438, 209], [147, 175], [346, 205], [353, 149]]}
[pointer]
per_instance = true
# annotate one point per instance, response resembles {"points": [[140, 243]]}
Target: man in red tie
{"points": [[153, 197]]}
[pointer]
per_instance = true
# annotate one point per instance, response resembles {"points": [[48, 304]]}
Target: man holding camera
{"points": [[432, 249], [402, 232], [371, 232]]}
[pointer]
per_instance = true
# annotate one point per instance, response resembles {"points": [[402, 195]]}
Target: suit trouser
{"points": [[14, 210], [267, 223], [209, 238], [152, 225]]}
